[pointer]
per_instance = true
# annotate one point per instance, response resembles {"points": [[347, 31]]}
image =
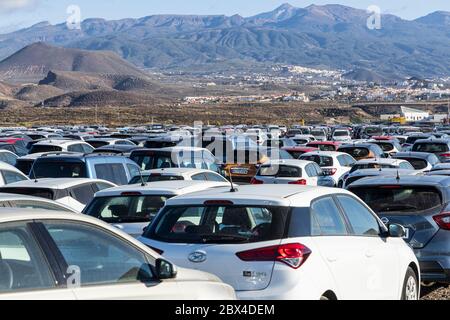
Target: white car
{"points": [[8, 200], [8, 157], [75, 193], [298, 172], [303, 139], [61, 145], [177, 174], [320, 134], [131, 208], [10, 174], [341, 135], [288, 242], [333, 164], [101, 142], [95, 261]]}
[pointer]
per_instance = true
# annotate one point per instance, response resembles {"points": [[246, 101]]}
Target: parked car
{"points": [[177, 174], [10, 174], [421, 161], [333, 164], [420, 204], [287, 242], [297, 151], [101, 142], [360, 151], [110, 264], [61, 146], [8, 157], [298, 172], [74, 193], [321, 134], [324, 145], [28, 202], [341, 135], [116, 169], [131, 208], [366, 173], [439, 147], [390, 147]]}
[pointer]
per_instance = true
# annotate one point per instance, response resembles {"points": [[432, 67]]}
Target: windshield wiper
{"points": [[397, 207]]}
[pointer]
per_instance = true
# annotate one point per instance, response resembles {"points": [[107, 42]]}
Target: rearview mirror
{"points": [[165, 269], [396, 231]]}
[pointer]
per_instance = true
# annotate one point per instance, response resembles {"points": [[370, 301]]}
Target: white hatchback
{"points": [[288, 242]]}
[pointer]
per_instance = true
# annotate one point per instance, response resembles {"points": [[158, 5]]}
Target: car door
{"points": [[24, 270], [381, 261], [340, 252], [102, 265]]}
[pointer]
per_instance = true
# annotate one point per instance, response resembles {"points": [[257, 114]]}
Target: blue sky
{"points": [[15, 14]]}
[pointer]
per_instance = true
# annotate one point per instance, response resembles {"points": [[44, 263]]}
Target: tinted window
{"points": [[83, 194], [399, 198], [361, 220], [126, 208], [280, 171], [33, 204], [322, 161], [59, 169], [328, 220], [11, 177], [76, 148], [35, 192], [98, 144], [430, 147], [355, 152], [215, 177], [418, 164], [113, 172], [38, 148], [102, 258], [199, 177], [217, 224], [22, 266], [155, 178]]}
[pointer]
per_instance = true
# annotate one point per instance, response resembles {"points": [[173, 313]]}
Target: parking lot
{"points": [[266, 212]]}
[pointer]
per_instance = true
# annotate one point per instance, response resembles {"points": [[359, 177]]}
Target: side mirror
{"points": [[396, 231], [165, 269]]}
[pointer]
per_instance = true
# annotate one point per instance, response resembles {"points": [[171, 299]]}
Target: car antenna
{"points": [[233, 189], [398, 176], [33, 174], [143, 183]]}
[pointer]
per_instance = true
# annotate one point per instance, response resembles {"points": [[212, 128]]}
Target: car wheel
{"points": [[410, 289]]}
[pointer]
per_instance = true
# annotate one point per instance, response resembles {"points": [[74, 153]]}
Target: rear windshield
{"points": [[373, 131], [155, 178], [430, 147], [326, 147], [418, 164], [220, 224], [411, 140], [356, 152], [301, 141], [24, 165], [58, 169], [125, 209], [386, 147], [280, 171], [296, 154], [369, 166], [399, 198], [98, 144], [322, 161], [340, 134], [39, 148], [153, 161], [318, 133], [35, 192]]}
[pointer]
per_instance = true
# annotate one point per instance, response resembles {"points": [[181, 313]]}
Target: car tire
{"points": [[410, 290]]}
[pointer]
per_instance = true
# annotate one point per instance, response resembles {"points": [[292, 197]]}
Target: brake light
{"points": [[256, 181], [330, 172], [218, 203], [443, 220], [293, 254], [446, 155], [156, 174], [302, 182], [131, 194]]}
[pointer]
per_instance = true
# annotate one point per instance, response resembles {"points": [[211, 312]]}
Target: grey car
{"points": [[421, 205], [422, 161]]}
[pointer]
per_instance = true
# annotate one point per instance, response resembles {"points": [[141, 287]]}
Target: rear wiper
{"points": [[222, 238], [397, 207]]}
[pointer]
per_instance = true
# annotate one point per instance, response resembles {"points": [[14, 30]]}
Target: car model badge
{"points": [[197, 257]]}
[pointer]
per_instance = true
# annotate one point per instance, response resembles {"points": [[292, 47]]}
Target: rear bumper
{"points": [[435, 271]]}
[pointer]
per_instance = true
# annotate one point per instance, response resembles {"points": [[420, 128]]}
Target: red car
{"points": [[384, 138], [296, 152], [324, 145]]}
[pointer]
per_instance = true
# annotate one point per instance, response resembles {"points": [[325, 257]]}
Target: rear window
{"points": [[58, 169], [155, 178], [418, 164], [363, 166], [373, 131], [39, 148], [386, 147], [220, 224], [280, 171], [125, 209], [98, 144], [430, 147], [24, 165], [322, 161], [35, 192], [356, 152], [113, 172], [402, 199], [340, 134], [326, 147]]}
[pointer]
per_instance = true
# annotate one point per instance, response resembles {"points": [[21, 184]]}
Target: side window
{"points": [[22, 265], [199, 177], [29, 204], [350, 161], [309, 170], [134, 170], [102, 186], [214, 177], [75, 148], [87, 148], [11, 177], [114, 172], [361, 219], [102, 258], [328, 218], [83, 194]]}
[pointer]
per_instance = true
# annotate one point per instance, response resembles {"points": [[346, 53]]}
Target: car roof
{"points": [[326, 153], [268, 195], [288, 162], [418, 155], [381, 161], [53, 183], [15, 197], [382, 172], [418, 180], [163, 187], [177, 171]]}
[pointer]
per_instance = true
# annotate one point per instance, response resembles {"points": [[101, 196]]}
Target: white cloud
{"points": [[13, 5]]}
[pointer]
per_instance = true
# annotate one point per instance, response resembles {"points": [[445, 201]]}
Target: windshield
{"points": [[318, 133], [98, 144], [399, 198], [56, 169], [220, 224], [373, 131], [124, 209]]}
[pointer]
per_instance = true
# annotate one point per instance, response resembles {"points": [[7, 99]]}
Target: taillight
{"points": [[330, 172], [445, 155], [443, 220], [131, 194], [256, 181], [302, 182], [293, 254]]}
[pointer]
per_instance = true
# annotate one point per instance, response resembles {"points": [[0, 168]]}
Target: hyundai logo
{"points": [[385, 220], [197, 257]]}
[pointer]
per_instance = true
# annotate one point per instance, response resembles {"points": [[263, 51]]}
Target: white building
{"points": [[411, 114]]}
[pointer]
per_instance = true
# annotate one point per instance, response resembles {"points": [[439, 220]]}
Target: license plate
{"points": [[239, 171], [406, 236]]}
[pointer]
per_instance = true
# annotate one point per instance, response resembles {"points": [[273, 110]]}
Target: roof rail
{"points": [[57, 153]]}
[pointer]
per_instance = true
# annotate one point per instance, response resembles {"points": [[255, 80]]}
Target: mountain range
{"points": [[329, 36]]}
